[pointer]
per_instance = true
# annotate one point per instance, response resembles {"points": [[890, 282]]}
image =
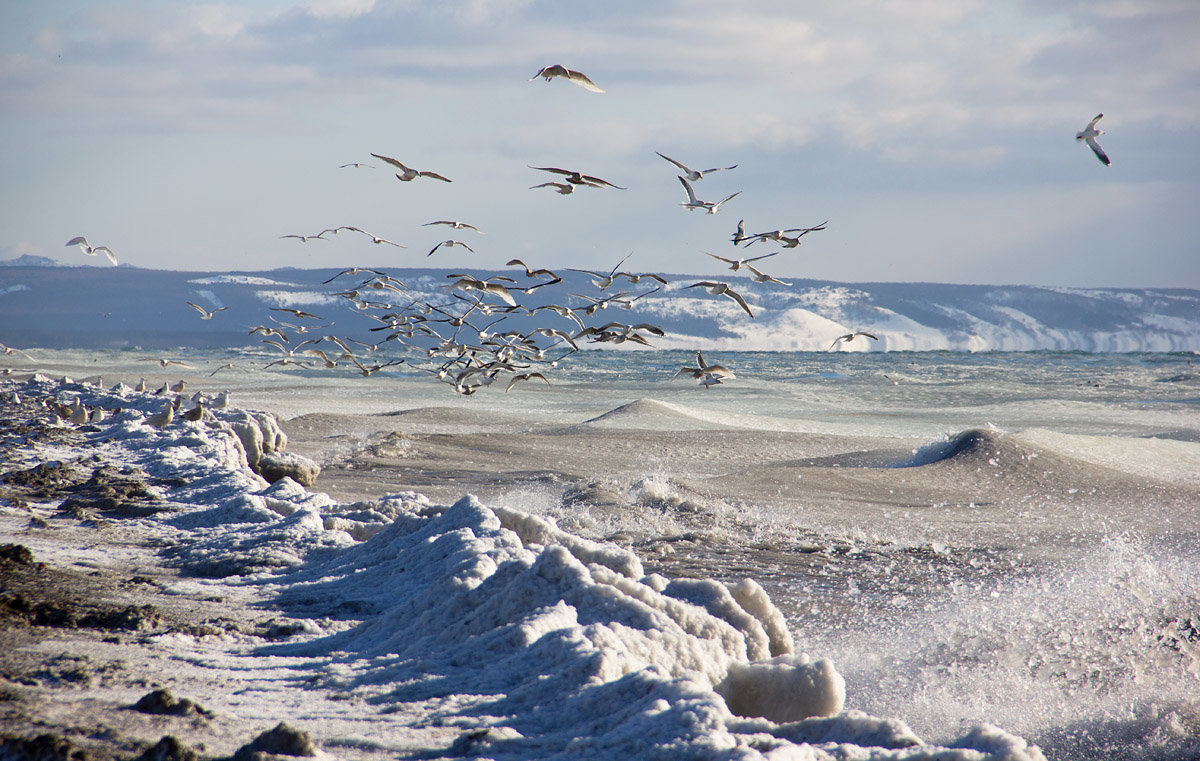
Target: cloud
{"points": [[324, 9]]}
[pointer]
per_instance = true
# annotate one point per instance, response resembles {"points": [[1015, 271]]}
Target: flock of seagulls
{"points": [[474, 331]]}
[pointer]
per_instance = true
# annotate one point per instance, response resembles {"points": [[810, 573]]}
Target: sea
{"points": [[991, 538]]}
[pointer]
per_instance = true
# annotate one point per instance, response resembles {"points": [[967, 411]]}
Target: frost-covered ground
{"points": [[394, 627]]}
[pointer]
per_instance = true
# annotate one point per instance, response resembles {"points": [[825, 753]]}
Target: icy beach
{"points": [[656, 578]]}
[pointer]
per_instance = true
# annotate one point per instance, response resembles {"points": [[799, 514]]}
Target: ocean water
{"points": [[1001, 538]]}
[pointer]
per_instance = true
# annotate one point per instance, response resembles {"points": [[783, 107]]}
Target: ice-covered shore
{"points": [[418, 630]]}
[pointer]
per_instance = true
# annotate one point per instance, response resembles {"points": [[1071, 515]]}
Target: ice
{"points": [[532, 641]]}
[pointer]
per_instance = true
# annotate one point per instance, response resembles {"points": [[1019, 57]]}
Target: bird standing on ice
{"points": [[1089, 135]]}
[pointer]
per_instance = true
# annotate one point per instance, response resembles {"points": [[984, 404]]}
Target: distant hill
{"points": [[92, 307], [29, 260]]}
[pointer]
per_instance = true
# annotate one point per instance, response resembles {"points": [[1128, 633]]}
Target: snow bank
{"points": [[541, 644]]}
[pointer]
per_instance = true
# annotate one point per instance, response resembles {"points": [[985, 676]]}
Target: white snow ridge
{"points": [[434, 631]]}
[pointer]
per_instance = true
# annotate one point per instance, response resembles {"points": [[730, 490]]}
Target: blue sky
{"points": [[937, 138]]}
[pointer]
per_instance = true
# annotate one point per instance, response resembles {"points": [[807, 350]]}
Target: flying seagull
{"points": [[408, 174], [204, 313], [578, 178], [454, 225], [723, 289], [737, 264], [1089, 135], [91, 250], [759, 276], [695, 174], [693, 203], [562, 188], [576, 77], [850, 337], [375, 238], [449, 243]]}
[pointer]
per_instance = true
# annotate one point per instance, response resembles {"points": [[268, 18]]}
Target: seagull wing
{"points": [[717, 205], [721, 258], [435, 176], [113, 257], [391, 161], [741, 301], [676, 163], [690, 193], [763, 277], [582, 80], [756, 258], [78, 241], [1096, 149], [1096, 118]]}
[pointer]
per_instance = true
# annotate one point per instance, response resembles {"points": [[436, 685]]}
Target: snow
{"points": [[806, 316], [535, 642]]}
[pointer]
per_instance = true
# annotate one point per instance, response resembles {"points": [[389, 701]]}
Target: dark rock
{"points": [[16, 553], [283, 740], [46, 747], [163, 703], [278, 465], [168, 749]]}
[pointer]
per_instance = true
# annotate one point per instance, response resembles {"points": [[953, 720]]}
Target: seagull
{"points": [[737, 264], [1089, 135], [739, 235], [694, 203], [530, 272], [297, 312], [695, 174], [305, 238], [723, 289], [558, 70], [351, 271], [91, 250], [562, 188], [467, 283], [781, 236], [525, 377], [454, 225], [9, 351], [850, 337], [204, 313], [375, 238], [578, 178], [162, 419], [761, 277], [449, 243], [407, 174], [356, 165], [165, 363], [707, 374]]}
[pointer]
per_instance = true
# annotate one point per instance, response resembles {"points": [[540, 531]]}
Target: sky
{"points": [[937, 139]]}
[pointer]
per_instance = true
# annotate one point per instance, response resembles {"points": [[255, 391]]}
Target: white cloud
{"points": [[323, 9]]}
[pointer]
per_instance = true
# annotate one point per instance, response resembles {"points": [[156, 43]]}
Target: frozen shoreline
{"points": [[631, 656]]}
